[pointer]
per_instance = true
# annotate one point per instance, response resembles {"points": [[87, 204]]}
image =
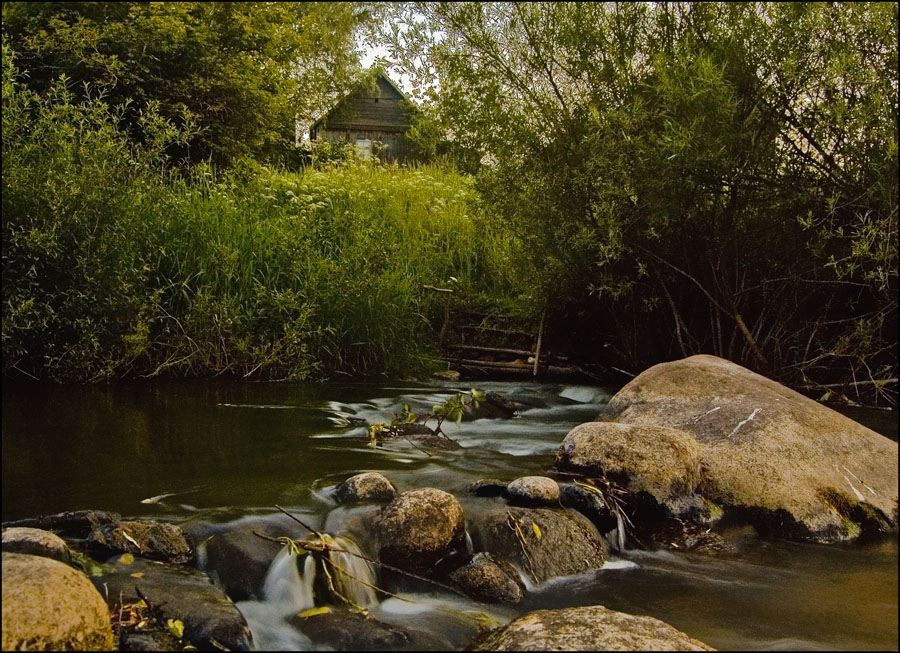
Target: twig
{"points": [[374, 562], [521, 538], [297, 519], [360, 580]]}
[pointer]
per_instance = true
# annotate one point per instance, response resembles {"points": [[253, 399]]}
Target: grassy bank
{"points": [[114, 266]]}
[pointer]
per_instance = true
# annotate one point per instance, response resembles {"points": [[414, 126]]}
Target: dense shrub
{"points": [[114, 265]]}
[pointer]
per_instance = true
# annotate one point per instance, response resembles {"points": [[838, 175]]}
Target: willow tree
{"points": [[687, 177], [240, 72]]}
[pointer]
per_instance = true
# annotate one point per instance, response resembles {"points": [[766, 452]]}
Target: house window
{"points": [[364, 145]]}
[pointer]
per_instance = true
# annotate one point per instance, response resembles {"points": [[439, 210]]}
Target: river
{"points": [[220, 451]]}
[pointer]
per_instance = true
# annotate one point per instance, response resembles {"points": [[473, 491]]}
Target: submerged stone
{"points": [[494, 406], [488, 487], [345, 630], [74, 523]]}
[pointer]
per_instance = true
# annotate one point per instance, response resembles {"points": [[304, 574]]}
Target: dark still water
{"points": [[222, 451]]}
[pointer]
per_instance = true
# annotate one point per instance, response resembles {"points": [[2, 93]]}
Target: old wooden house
{"points": [[374, 118]]}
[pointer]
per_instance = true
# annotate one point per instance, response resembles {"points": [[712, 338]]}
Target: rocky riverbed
{"points": [[682, 459]]}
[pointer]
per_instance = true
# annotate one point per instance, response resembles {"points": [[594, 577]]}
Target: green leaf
{"points": [[312, 612]]}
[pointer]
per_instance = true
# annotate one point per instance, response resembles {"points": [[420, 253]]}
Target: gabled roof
{"points": [[379, 74]]}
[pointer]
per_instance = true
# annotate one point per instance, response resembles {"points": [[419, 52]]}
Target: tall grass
{"points": [[115, 266]]}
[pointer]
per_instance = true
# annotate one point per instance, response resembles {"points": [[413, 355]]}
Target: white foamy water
{"points": [[353, 575], [285, 588]]}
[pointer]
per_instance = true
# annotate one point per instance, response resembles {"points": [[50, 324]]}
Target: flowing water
{"points": [[224, 452]]}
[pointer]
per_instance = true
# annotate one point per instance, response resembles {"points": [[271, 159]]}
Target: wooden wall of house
{"points": [[376, 116], [363, 109], [397, 148]]}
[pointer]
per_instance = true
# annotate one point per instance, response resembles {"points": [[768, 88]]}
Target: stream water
{"points": [[220, 452]]}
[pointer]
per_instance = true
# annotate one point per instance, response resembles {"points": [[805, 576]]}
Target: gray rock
{"points": [[486, 578], [542, 542], [418, 528], [533, 491], [35, 541], [368, 486], [770, 456], [150, 539], [48, 606], [592, 628], [211, 621]]}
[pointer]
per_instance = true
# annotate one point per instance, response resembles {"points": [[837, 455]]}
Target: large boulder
{"points": [[418, 528], [211, 621], [48, 606], [767, 454], [542, 542], [150, 539], [35, 541], [591, 628]]}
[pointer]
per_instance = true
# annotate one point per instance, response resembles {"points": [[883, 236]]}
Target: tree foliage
{"points": [[240, 71], [688, 177]]}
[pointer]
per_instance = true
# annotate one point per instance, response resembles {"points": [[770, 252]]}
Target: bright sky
{"points": [[369, 56]]}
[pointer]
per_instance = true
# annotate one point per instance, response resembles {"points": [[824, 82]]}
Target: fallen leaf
{"points": [[536, 529], [312, 612], [137, 574], [176, 627], [126, 559]]}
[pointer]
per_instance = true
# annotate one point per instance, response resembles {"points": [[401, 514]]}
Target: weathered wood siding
{"points": [[396, 147], [376, 116]]}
